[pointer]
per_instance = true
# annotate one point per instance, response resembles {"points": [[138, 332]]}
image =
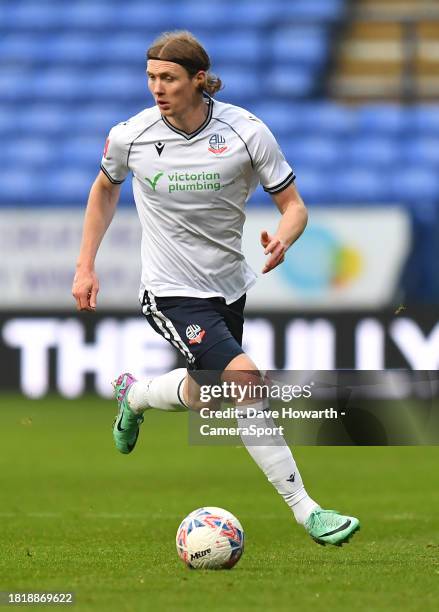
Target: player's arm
{"points": [[102, 202], [293, 222]]}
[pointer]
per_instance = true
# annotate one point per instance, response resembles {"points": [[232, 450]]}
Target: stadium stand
{"points": [[389, 50], [69, 71]]}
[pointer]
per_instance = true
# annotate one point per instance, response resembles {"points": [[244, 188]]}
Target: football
{"points": [[210, 538]]}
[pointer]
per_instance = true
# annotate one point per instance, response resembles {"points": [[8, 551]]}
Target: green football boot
{"points": [[331, 527], [126, 424]]}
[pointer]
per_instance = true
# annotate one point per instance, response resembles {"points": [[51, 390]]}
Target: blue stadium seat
{"points": [[296, 82], [149, 18], [88, 48], [92, 14], [421, 150], [127, 47], [300, 44], [33, 16], [313, 10], [259, 198], [123, 85], [28, 153], [371, 151], [24, 48], [251, 13], [81, 152], [282, 118], [75, 48], [49, 119], [316, 151], [328, 117], [20, 187], [8, 120], [73, 85], [99, 118], [316, 186], [59, 85], [126, 193], [228, 47], [190, 15], [359, 185], [383, 119], [15, 83], [239, 85], [415, 184], [197, 14], [89, 15], [70, 185], [425, 119]]}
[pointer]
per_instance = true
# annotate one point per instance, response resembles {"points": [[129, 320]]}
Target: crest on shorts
{"points": [[194, 333]]}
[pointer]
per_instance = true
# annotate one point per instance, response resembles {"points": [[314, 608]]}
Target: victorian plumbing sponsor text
{"points": [[186, 181]]}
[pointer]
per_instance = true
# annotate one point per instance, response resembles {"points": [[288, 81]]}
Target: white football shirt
{"points": [[190, 192]]}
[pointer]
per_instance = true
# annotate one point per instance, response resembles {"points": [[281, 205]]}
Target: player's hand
{"points": [[85, 289], [275, 248]]}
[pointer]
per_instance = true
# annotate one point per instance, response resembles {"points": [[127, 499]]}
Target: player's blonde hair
{"points": [[183, 48]]}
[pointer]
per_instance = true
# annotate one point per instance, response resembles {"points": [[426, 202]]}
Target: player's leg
{"points": [[218, 347], [177, 320], [275, 459], [270, 452], [223, 325], [135, 396], [174, 391]]}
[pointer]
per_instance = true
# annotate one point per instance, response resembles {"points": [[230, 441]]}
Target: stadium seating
{"points": [[69, 71], [300, 44], [383, 119], [373, 151], [425, 119], [423, 150]]}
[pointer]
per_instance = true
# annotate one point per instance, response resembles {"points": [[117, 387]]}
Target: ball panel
{"points": [[210, 538]]}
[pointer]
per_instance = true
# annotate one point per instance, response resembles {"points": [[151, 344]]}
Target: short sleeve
{"points": [[115, 157], [273, 170]]}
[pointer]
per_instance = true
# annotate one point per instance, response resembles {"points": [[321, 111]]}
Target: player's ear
{"points": [[200, 79]]}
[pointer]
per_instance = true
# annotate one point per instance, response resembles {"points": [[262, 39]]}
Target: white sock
{"points": [[164, 392], [275, 459]]}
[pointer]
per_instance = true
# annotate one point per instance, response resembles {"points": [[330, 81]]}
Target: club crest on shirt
{"points": [[217, 144], [195, 334]]}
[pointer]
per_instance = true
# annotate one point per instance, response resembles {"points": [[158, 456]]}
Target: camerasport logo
{"points": [[217, 144], [195, 334]]}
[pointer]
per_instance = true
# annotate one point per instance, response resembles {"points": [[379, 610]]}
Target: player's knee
{"points": [[196, 398], [244, 379], [198, 403], [240, 381]]}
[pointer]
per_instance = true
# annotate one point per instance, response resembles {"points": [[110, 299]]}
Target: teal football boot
{"points": [[126, 424], [331, 527]]}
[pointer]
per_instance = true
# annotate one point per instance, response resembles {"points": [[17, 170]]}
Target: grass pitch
{"points": [[78, 516]]}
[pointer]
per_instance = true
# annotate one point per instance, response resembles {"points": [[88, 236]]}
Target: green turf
{"points": [[78, 516]]}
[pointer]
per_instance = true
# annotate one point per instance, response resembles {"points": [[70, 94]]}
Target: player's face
{"points": [[173, 89]]}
